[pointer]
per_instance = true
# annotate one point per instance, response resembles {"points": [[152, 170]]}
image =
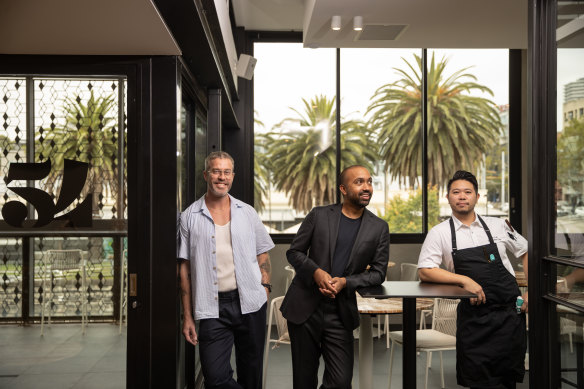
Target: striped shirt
{"points": [[249, 238]]}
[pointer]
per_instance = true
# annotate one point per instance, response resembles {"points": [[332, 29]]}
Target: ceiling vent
{"points": [[381, 32]]}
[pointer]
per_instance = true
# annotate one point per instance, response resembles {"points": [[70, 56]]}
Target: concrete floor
{"points": [[64, 358]]}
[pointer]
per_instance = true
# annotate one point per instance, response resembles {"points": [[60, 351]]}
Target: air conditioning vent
{"points": [[381, 32]]}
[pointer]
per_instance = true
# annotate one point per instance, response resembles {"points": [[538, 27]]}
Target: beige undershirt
{"points": [[224, 255]]}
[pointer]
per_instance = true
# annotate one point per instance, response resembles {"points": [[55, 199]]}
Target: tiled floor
{"points": [[65, 358]]}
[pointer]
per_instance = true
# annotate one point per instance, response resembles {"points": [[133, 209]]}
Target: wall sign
{"points": [[74, 175]]}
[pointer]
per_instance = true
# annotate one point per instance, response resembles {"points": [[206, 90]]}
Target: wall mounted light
{"points": [[358, 23], [336, 22]]}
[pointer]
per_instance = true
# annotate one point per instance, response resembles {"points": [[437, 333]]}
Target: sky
{"points": [[570, 68], [287, 72]]}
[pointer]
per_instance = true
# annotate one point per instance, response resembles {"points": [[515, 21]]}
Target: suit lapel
{"points": [[360, 234], [334, 219]]}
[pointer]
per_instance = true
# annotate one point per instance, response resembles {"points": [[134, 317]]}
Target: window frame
{"points": [[514, 136]]}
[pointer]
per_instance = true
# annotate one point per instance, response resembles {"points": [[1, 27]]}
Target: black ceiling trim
{"points": [[185, 20]]}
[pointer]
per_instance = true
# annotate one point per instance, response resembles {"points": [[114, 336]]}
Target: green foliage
{"points": [[570, 155], [302, 153], [405, 215], [461, 127]]}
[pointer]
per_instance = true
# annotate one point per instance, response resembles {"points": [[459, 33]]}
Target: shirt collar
{"points": [[458, 224], [201, 206]]}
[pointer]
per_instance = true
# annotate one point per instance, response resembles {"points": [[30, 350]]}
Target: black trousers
{"points": [[217, 337], [322, 334]]}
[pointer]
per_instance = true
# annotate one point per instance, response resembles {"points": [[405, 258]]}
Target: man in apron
{"points": [[491, 336]]}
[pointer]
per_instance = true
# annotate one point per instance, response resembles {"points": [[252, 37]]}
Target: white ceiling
{"points": [[430, 23], [84, 27]]}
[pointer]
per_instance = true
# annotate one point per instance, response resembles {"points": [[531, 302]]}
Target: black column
{"points": [[541, 173], [214, 121], [152, 310]]}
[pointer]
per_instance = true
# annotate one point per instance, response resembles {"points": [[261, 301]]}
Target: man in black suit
{"points": [[330, 254]]}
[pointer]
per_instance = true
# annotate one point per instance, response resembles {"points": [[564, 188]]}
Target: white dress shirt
{"points": [[437, 247]]}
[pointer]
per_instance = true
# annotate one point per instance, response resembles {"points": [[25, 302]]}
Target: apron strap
{"points": [[453, 235], [486, 230], [453, 232]]}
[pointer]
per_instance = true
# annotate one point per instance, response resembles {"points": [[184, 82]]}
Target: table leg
{"points": [[365, 353], [409, 346]]}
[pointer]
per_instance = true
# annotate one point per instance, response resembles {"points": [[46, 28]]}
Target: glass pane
{"points": [[468, 125], [200, 155], [570, 343], [294, 127], [570, 147], [382, 129], [79, 120], [64, 290], [13, 134]]}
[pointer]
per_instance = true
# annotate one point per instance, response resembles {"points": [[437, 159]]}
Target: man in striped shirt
{"points": [[225, 279]]}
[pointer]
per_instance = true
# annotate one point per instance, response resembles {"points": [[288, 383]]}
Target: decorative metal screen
{"points": [[81, 119]]}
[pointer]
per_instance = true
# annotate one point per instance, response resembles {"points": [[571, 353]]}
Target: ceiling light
{"points": [[358, 23], [336, 22]]}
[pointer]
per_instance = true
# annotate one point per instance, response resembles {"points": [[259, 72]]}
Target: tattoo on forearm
{"points": [[183, 292], [266, 270]]}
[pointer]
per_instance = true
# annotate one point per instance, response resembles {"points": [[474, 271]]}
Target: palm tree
{"points": [[303, 157], [89, 136], [461, 127]]}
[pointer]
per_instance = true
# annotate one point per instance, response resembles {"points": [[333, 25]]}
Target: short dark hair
{"points": [[343, 174], [464, 175]]}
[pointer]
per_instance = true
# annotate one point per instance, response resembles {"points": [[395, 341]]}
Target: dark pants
{"points": [[323, 333], [217, 337]]}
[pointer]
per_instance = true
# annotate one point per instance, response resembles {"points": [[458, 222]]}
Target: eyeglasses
{"points": [[218, 172]]}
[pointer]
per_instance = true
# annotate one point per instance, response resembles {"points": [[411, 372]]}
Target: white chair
{"points": [[440, 338], [124, 289], [409, 272], [58, 263], [282, 327], [289, 276]]}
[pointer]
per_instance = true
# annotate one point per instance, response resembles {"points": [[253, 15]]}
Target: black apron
{"points": [[490, 338]]}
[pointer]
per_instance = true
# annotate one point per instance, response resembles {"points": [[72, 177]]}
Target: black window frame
{"points": [[515, 124]]}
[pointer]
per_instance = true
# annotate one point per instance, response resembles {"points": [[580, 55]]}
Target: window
{"points": [[295, 132], [381, 127], [475, 90]]}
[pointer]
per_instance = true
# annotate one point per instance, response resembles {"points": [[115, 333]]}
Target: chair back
{"points": [[289, 276], [444, 316], [281, 323], [65, 259], [409, 272]]}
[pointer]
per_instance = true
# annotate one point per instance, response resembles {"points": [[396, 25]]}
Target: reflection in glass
{"points": [[570, 342], [295, 151], [200, 154]]}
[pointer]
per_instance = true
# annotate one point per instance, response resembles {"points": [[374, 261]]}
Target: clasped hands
{"points": [[327, 285]]}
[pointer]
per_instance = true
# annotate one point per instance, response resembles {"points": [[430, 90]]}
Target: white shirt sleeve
{"points": [[514, 242], [431, 253]]}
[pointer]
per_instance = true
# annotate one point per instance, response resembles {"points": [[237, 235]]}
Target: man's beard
{"points": [[356, 200]]}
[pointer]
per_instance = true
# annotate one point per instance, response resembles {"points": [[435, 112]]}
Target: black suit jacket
{"points": [[313, 248]]}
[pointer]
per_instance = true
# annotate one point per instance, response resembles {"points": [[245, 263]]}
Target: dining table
{"points": [[409, 292]]}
